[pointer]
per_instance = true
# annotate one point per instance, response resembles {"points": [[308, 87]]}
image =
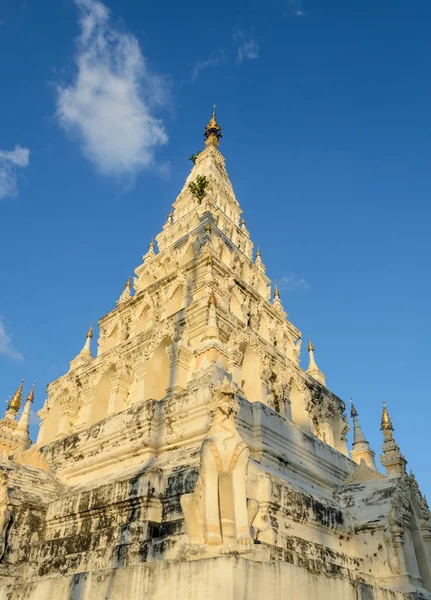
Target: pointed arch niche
{"points": [[52, 429], [251, 382], [110, 339], [298, 403], [235, 305], [175, 301], [141, 324], [157, 372], [100, 400]]}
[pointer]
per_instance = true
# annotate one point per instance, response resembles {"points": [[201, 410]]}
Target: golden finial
{"points": [[276, 291], [212, 299], [310, 345], [353, 411], [128, 283], [31, 393], [208, 227], [386, 424], [151, 246], [258, 253], [242, 222], [212, 133], [90, 331], [15, 402]]}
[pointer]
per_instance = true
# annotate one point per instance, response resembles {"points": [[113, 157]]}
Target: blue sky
{"points": [[325, 108]]}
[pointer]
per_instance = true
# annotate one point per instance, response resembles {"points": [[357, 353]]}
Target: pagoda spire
{"points": [[358, 434], [392, 459], [151, 251], [87, 349], [212, 331], [126, 293], [22, 430], [313, 370], [258, 262], [277, 302], [15, 402], [361, 448], [85, 355], [213, 132]]}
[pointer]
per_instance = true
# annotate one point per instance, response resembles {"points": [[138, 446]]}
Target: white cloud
{"points": [[10, 162], [247, 47], [212, 61], [247, 50], [6, 348], [110, 103], [295, 8], [292, 282]]}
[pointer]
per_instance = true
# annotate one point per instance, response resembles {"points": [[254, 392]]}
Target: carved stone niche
{"points": [[218, 511], [280, 386]]}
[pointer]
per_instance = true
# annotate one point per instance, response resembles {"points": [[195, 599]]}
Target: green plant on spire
{"points": [[199, 186], [193, 157]]}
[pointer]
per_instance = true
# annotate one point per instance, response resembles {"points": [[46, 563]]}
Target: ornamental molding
{"points": [[401, 506], [32, 457], [66, 388], [167, 329], [249, 339], [421, 500]]}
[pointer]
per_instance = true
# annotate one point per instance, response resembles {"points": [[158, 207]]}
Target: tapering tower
{"points": [[14, 431], [392, 459], [361, 448], [22, 432], [313, 369], [204, 251], [193, 456], [15, 402]]}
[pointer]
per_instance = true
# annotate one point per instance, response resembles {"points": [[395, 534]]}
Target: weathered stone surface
{"points": [[193, 457], [233, 578]]}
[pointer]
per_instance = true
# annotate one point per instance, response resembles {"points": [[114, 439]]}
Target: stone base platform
{"points": [[218, 578]]}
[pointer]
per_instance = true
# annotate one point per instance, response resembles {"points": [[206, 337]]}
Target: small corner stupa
{"points": [[191, 455]]}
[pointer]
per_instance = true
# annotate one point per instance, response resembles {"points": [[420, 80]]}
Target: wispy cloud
{"points": [[6, 348], [10, 162], [247, 47], [214, 60], [296, 8], [247, 51], [110, 103], [292, 282]]}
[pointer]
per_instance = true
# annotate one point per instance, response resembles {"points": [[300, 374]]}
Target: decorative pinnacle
{"points": [[276, 292], [90, 331], [258, 253], [386, 424], [151, 246], [212, 133], [128, 283], [30, 396], [310, 345], [353, 411], [212, 299], [15, 402]]}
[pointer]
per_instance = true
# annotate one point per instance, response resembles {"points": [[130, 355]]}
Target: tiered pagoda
{"points": [[192, 456]]}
